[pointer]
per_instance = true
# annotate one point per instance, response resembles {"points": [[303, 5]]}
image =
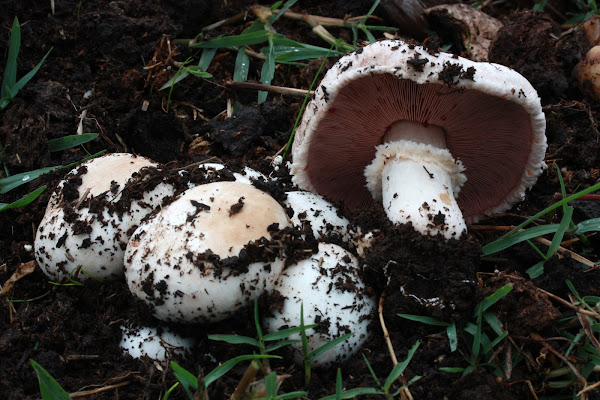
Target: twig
{"points": [[86, 393], [585, 197], [386, 334], [314, 20], [570, 305], [269, 88], [242, 387]]}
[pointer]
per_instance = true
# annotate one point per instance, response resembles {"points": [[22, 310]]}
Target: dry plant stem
{"points": [[228, 21], [585, 197], [269, 88], [570, 305], [564, 359], [543, 241], [242, 387], [386, 334], [314, 20], [86, 393]]}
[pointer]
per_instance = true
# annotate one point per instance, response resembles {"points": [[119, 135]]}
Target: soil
{"points": [[107, 62]]}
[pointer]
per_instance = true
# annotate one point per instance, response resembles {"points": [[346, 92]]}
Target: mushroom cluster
{"points": [[439, 139], [199, 244]]}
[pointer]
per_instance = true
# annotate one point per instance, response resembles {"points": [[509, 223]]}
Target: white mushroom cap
{"points": [[147, 341], [88, 220], [205, 255], [332, 294], [321, 214], [213, 169], [490, 115]]}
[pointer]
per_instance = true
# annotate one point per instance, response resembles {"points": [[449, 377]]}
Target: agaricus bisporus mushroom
{"points": [[331, 294], [150, 341], [208, 253], [395, 123], [323, 217], [91, 214]]}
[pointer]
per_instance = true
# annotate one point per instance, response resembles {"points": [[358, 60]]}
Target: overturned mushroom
{"points": [[208, 253], [394, 123], [91, 214]]}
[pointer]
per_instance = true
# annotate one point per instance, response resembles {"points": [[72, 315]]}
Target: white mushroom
{"points": [[322, 216], [331, 293], [208, 253], [397, 124], [91, 214], [148, 341]]}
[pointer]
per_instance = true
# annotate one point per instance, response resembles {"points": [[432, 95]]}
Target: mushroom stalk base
{"points": [[418, 184]]}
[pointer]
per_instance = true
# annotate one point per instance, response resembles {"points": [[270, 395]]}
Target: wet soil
{"points": [[107, 62]]}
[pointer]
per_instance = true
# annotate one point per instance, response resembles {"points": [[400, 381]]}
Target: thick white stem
{"points": [[421, 193], [418, 183]]}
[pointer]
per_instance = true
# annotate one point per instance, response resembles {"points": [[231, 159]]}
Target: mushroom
{"points": [[149, 341], [331, 294], [394, 123], [208, 253], [91, 214], [587, 72], [322, 216]]}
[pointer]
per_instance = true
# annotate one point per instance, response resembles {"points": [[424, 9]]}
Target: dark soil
{"points": [[108, 60]]}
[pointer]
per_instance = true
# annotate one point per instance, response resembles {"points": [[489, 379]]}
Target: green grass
{"points": [[483, 338], [10, 86], [522, 234]]}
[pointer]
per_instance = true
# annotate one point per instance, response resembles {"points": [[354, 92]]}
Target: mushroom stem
{"points": [[418, 183]]}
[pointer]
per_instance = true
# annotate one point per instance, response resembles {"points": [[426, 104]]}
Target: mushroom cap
{"points": [[332, 294], [319, 213], [88, 220], [205, 255], [148, 341], [491, 115]]}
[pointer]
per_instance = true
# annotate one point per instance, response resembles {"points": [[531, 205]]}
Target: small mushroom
{"points": [[91, 214], [394, 123], [322, 216], [149, 341], [208, 253], [331, 293], [587, 72]]}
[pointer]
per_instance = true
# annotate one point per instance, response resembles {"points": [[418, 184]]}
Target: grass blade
{"points": [[234, 339], [242, 66], [566, 220], [588, 225], [399, 368], [494, 297], [278, 345], [285, 7], [24, 80], [13, 181], [554, 206], [508, 241], [370, 368], [10, 73], [23, 201], [327, 346], [352, 393], [452, 336], [267, 73], [493, 322], [284, 333], [49, 388], [186, 378], [206, 58], [229, 364], [244, 39], [67, 142], [423, 319]]}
